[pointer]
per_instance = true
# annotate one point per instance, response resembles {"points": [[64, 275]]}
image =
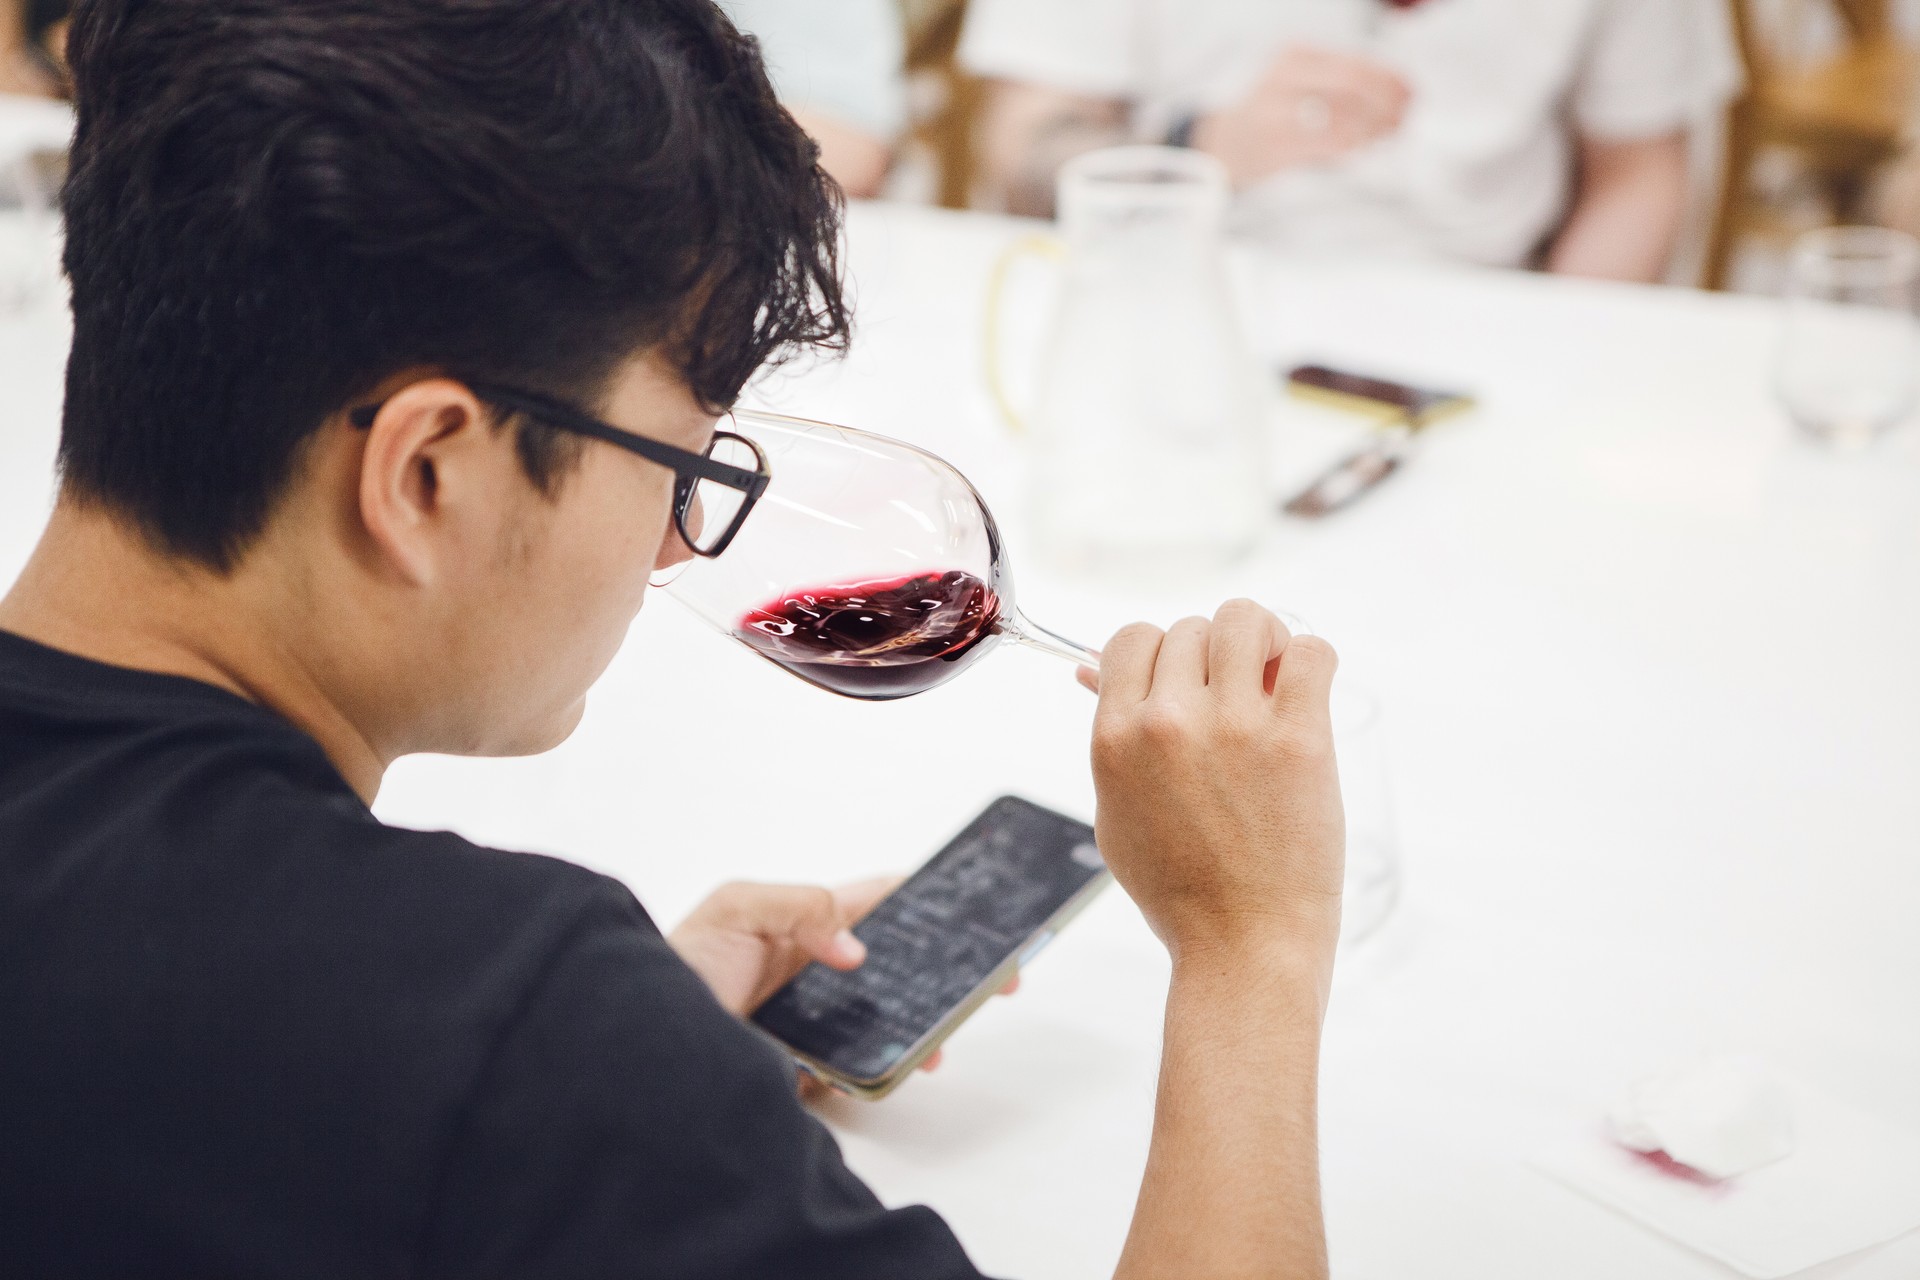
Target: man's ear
{"points": [[417, 460]]}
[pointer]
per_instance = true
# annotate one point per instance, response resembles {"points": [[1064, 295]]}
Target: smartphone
{"points": [[1394, 402], [938, 948]]}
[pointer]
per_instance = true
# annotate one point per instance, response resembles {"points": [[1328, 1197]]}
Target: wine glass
{"points": [[870, 567], [1851, 342]]}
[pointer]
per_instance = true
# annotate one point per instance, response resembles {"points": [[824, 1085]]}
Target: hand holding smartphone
{"points": [[938, 948]]}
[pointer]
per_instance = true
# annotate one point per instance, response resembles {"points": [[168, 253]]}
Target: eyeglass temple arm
{"points": [[684, 461]]}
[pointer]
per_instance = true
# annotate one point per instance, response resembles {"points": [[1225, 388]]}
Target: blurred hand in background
{"points": [[1510, 133], [1311, 107]]}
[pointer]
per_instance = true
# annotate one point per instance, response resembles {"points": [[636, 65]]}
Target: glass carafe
{"points": [[1148, 441]]}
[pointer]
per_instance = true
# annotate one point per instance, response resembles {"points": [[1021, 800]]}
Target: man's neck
{"points": [[97, 589]]}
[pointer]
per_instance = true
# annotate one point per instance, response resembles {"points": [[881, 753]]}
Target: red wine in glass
{"points": [[882, 639]]}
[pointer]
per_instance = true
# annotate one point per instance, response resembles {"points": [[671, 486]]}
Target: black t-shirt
{"points": [[246, 1030]]}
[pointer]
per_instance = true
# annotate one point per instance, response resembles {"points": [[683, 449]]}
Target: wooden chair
{"points": [[1842, 116], [933, 42]]}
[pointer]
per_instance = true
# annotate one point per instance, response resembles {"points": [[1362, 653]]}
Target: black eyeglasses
{"points": [[714, 491]]}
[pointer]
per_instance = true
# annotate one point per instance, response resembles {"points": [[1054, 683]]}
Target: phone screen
{"points": [[984, 898]]}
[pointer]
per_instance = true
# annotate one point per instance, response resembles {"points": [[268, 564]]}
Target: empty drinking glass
{"points": [[1849, 365], [1373, 838]]}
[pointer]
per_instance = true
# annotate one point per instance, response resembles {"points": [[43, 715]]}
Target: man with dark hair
{"points": [[400, 332]]}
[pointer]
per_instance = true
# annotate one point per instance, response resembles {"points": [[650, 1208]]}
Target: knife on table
{"points": [[1402, 410]]}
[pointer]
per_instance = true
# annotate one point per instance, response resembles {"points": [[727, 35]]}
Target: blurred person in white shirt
{"points": [[1548, 133], [839, 68]]}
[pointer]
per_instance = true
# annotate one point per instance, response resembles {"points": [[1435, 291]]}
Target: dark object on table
{"points": [[1402, 409], [1352, 476], [1379, 398]]}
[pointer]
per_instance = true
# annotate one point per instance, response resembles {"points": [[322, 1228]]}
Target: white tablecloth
{"points": [[1652, 676]]}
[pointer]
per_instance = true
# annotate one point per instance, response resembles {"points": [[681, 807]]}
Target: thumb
{"points": [[812, 919]]}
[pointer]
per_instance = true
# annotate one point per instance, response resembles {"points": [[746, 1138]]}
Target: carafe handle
{"points": [[1032, 246]]}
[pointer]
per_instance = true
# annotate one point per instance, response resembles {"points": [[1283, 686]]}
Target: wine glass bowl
{"points": [[1850, 343], [870, 567]]}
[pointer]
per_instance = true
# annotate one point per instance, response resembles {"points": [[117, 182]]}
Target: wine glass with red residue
{"points": [[870, 567]]}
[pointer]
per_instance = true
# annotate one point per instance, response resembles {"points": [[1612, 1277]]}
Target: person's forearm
{"points": [[1027, 133], [1232, 1187], [1627, 212], [1052, 143]]}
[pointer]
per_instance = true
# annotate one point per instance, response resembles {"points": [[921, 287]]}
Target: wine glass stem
{"points": [[1038, 637]]}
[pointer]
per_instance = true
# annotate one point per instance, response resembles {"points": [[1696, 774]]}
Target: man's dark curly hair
{"points": [[276, 204]]}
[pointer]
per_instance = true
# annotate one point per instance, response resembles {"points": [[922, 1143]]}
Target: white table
{"points": [[1652, 672]]}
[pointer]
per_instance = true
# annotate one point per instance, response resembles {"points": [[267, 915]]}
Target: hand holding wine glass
{"points": [[864, 565], [1219, 812], [1219, 798]]}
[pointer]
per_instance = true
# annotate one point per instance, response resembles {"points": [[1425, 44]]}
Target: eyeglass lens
{"points": [[708, 508]]}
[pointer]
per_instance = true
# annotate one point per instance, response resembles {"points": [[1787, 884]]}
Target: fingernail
{"points": [[849, 946]]}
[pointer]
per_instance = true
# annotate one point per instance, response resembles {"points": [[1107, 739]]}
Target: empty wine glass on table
{"points": [[868, 567], [1849, 364]]}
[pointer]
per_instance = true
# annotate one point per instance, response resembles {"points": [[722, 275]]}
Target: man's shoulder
{"points": [[415, 890], [213, 824], [265, 807], [347, 838]]}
